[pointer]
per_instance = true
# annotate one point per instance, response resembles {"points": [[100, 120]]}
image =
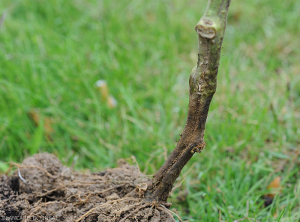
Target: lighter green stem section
{"points": [[210, 30]]}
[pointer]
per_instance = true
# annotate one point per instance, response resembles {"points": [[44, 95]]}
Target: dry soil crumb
{"points": [[42, 189]]}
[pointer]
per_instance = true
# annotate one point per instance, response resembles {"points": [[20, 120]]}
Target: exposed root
{"points": [[32, 166], [95, 208], [53, 192], [94, 193], [128, 211], [136, 210], [40, 207], [170, 211]]}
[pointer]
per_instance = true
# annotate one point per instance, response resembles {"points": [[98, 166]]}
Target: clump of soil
{"points": [[42, 189]]}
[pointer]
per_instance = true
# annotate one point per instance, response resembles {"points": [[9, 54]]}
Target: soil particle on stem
{"points": [[43, 189]]}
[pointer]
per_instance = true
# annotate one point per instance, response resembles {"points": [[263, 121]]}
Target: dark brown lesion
{"points": [[198, 148]]}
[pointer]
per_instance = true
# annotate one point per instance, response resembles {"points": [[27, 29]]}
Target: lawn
{"points": [[53, 52]]}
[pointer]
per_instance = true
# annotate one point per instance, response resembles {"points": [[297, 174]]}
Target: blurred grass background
{"points": [[53, 52]]}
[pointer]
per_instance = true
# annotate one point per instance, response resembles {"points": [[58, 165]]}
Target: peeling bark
{"points": [[203, 83]]}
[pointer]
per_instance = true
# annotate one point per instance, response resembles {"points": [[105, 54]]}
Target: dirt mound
{"points": [[42, 189]]}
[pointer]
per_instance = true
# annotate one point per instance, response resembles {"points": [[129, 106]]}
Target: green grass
{"points": [[53, 52]]}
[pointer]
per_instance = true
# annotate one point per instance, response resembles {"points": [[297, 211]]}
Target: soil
{"points": [[43, 189]]}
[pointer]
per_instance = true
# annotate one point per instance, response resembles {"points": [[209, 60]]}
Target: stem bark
{"points": [[203, 82]]}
